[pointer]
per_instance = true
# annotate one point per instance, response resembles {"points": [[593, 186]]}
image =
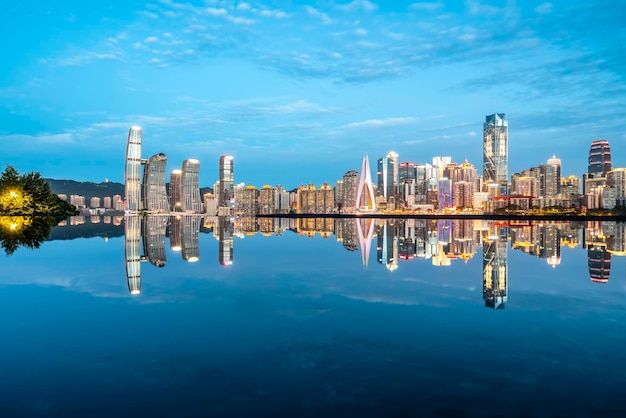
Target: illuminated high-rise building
{"points": [[154, 193], [176, 191], [227, 181], [249, 201], [132, 170], [496, 151], [306, 199], [616, 178], [325, 199], [267, 200], [349, 191], [387, 177], [190, 181], [552, 177], [599, 158], [365, 199], [132, 253]]}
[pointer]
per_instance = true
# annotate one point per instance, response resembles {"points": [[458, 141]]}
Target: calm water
{"points": [[315, 318]]}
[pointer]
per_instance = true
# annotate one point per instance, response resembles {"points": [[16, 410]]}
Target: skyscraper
{"points": [[350, 188], [365, 200], [599, 158], [387, 177], [176, 191], [132, 170], [154, 194], [190, 180], [227, 181], [496, 151]]}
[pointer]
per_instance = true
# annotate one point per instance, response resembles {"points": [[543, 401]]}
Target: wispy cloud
{"points": [[381, 123]]}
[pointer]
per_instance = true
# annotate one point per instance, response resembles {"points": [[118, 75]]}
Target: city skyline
{"points": [[205, 79]]}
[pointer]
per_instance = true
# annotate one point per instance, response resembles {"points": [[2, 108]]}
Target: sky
{"points": [[298, 91]]}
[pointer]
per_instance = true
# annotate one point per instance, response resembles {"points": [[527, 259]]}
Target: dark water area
{"points": [[194, 317]]}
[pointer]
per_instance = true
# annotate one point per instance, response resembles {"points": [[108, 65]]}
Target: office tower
{"points": [[552, 177], [249, 201], [599, 158], [570, 186], [495, 271], [387, 177], [210, 204], [496, 151], [267, 200], [132, 253], [118, 203], [154, 193], [339, 194], [464, 183], [190, 180], [439, 165], [349, 191], [325, 199], [94, 202], [282, 202], [176, 191], [227, 181], [444, 193], [616, 178], [107, 202], [132, 170], [154, 231], [365, 200]]}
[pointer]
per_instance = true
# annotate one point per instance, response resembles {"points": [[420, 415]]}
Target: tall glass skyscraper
{"points": [[599, 158], [190, 181], [227, 181], [154, 193], [132, 170], [387, 177], [496, 151], [176, 191]]}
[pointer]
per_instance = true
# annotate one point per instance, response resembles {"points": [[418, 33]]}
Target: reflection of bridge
{"points": [[442, 241]]}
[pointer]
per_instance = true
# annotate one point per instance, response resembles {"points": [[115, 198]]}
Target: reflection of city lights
{"points": [[193, 259], [13, 226], [135, 292], [176, 248]]}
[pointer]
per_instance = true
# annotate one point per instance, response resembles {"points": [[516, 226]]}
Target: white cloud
{"points": [[243, 6], [544, 9], [273, 13], [241, 20], [211, 11], [360, 32], [316, 13], [151, 39], [380, 123], [427, 6], [359, 5]]}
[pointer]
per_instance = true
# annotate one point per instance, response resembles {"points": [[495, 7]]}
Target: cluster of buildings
{"points": [[437, 187], [97, 205]]}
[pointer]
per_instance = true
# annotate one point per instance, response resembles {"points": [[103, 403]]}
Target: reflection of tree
{"points": [[16, 231]]}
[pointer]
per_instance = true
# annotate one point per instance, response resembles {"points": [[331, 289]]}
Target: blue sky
{"points": [[298, 91]]}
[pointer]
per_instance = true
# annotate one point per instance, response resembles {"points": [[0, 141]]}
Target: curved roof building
{"points": [[132, 170], [154, 193]]}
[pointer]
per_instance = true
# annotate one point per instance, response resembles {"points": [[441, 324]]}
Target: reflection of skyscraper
{"points": [[191, 186], [190, 230], [176, 233], [132, 171], [154, 194], [225, 236], [132, 253], [154, 230], [599, 262], [495, 151], [495, 271], [365, 232], [365, 200], [387, 249], [227, 181]]}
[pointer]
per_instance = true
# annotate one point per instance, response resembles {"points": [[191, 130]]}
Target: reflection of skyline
{"points": [[398, 240]]}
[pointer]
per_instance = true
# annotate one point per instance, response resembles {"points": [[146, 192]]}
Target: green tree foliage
{"points": [[30, 194]]}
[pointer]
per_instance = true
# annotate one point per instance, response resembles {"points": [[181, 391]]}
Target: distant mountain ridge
{"points": [[90, 189]]}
